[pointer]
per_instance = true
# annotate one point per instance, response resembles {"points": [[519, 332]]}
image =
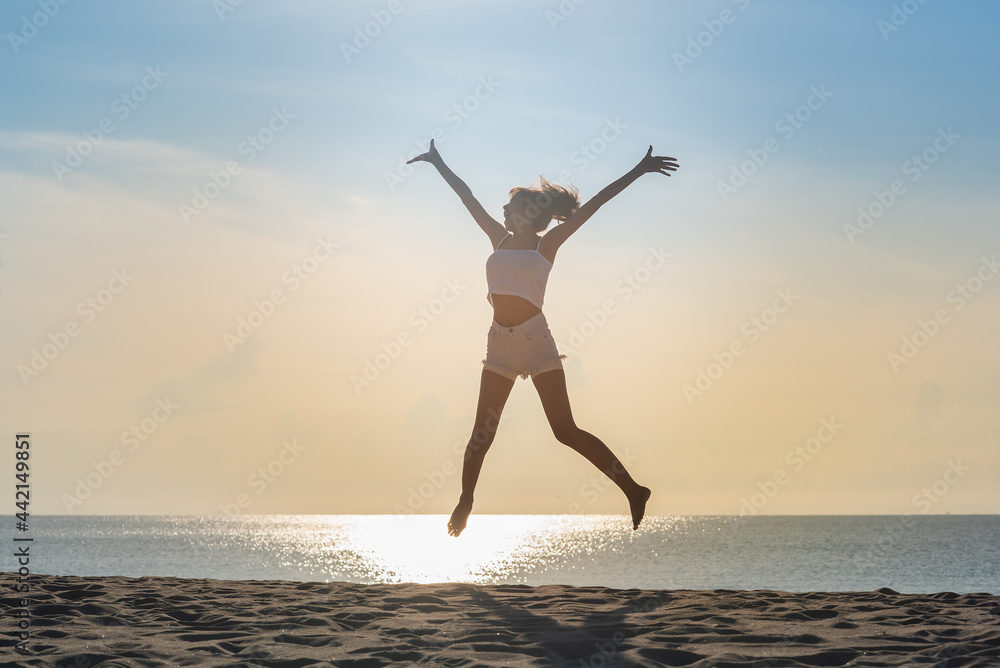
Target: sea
{"points": [[909, 554]]}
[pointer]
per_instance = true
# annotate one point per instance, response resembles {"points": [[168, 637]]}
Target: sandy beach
{"points": [[152, 621]]}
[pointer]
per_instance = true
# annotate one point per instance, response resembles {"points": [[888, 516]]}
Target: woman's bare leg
{"points": [[551, 387], [493, 392]]}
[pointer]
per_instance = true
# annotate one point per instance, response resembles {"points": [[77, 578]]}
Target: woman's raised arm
{"points": [[649, 163], [493, 229]]}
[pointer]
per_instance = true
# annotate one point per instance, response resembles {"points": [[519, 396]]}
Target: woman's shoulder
{"points": [[499, 239]]}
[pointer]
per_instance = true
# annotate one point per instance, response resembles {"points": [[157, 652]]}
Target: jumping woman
{"points": [[519, 342]]}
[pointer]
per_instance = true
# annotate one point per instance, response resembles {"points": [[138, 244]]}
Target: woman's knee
{"points": [[566, 433]]}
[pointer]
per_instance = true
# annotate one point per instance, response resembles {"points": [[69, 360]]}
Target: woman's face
{"points": [[517, 213]]}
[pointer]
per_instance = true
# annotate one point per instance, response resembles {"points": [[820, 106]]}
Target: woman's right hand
{"points": [[431, 156]]}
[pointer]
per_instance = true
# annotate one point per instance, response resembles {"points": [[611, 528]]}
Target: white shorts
{"points": [[525, 350]]}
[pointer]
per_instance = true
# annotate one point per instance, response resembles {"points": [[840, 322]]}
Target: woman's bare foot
{"points": [[459, 518], [637, 504]]}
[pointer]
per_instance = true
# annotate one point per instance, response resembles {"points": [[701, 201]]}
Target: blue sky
{"points": [[336, 126]]}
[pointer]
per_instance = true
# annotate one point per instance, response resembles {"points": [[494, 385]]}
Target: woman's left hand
{"points": [[657, 163]]}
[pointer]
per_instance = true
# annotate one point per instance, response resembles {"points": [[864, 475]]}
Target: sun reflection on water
{"points": [[494, 548], [794, 553]]}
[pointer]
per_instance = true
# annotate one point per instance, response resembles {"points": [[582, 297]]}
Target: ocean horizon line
{"points": [[445, 514]]}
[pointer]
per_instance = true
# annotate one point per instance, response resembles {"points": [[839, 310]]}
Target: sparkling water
{"points": [[921, 554]]}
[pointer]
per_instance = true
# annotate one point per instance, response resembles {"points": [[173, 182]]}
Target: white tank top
{"points": [[519, 272]]}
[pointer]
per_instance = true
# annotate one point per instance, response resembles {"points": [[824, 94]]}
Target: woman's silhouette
{"points": [[519, 341]]}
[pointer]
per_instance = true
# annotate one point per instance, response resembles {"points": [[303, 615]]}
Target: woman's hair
{"points": [[548, 201]]}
